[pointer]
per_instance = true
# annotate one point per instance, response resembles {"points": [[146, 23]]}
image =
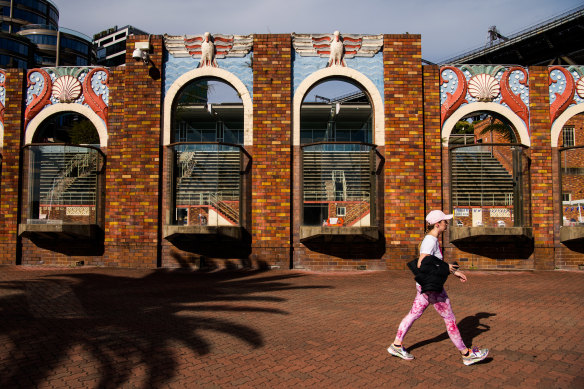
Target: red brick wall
{"points": [[131, 174], [541, 168], [10, 166], [404, 152], [432, 139], [132, 171], [271, 152]]}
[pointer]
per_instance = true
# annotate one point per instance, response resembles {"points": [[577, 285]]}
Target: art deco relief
{"points": [[207, 48], [337, 47], [86, 86]]}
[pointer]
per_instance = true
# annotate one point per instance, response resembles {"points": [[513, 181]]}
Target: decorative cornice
{"points": [[184, 46], [318, 45]]}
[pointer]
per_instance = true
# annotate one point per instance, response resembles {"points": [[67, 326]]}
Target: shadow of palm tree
{"points": [[470, 327], [123, 322]]}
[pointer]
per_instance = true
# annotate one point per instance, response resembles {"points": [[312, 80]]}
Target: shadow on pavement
{"points": [[470, 327], [124, 322]]}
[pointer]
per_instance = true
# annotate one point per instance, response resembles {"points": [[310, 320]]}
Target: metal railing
{"points": [[339, 175], [62, 183], [207, 182], [489, 184]]}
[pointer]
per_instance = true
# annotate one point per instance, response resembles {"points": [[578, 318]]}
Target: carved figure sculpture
{"points": [[207, 52], [337, 50]]}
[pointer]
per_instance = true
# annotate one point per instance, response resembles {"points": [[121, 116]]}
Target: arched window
{"points": [[63, 174], [338, 157], [489, 181], [207, 134]]}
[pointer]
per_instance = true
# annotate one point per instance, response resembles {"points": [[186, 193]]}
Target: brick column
{"points": [[133, 160], [541, 168], [10, 166], [272, 133], [432, 139], [404, 147]]}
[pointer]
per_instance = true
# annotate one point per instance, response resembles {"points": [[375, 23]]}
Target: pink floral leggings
{"points": [[441, 303]]}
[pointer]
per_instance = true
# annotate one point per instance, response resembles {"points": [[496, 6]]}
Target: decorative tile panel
{"points": [[188, 52], [465, 84], [87, 86], [566, 88]]}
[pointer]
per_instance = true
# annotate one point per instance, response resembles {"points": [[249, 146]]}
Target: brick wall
{"points": [[133, 162], [432, 139], [541, 168], [10, 166], [415, 176], [404, 153], [271, 151]]}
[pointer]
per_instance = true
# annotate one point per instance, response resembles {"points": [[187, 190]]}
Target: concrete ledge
{"points": [[490, 234], [232, 232], [60, 231], [338, 234], [571, 233]]}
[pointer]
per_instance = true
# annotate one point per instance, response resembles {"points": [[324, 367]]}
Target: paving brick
{"points": [[164, 328]]}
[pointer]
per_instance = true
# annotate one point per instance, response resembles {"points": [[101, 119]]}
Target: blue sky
{"points": [[448, 27]]}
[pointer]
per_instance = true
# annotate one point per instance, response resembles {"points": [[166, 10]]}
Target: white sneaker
{"points": [[400, 352], [475, 355]]}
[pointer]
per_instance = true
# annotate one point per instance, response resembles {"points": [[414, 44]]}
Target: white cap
{"points": [[437, 216]]}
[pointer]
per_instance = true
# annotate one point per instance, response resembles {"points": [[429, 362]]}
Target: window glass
{"points": [[208, 110], [14, 46], [336, 111], [11, 62], [74, 45], [67, 127], [568, 136], [43, 39], [35, 4]]}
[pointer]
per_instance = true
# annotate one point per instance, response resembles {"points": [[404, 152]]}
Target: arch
{"points": [[338, 71], [67, 107], [561, 121], [1, 135], [493, 107], [209, 72]]}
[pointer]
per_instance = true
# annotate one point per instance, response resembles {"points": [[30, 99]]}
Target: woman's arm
{"points": [[460, 275], [422, 256]]}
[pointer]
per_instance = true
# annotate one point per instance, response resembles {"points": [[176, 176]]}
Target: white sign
{"points": [[500, 212], [477, 217], [461, 212], [77, 211]]}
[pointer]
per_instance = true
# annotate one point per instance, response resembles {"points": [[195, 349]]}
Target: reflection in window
{"points": [[568, 136], [207, 174], [63, 172], [337, 177], [208, 110], [489, 178]]}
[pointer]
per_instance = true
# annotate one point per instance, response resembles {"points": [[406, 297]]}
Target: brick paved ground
{"points": [[89, 327]]}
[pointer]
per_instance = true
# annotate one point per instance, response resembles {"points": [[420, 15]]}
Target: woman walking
{"points": [[432, 274]]}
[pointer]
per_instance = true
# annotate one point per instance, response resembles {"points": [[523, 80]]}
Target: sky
{"points": [[448, 27]]}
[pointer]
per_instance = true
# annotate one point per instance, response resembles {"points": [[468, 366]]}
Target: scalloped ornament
{"points": [[484, 87], [580, 87], [66, 89]]}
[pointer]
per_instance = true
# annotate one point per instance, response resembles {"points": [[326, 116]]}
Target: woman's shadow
{"points": [[469, 327]]}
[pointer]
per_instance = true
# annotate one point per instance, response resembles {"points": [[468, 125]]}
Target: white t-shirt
{"points": [[431, 246]]}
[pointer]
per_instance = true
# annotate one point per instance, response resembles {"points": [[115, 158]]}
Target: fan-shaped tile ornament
{"points": [[484, 87], [580, 87], [66, 89]]}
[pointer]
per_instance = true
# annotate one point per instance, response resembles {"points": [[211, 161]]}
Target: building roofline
{"points": [[546, 25]]}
